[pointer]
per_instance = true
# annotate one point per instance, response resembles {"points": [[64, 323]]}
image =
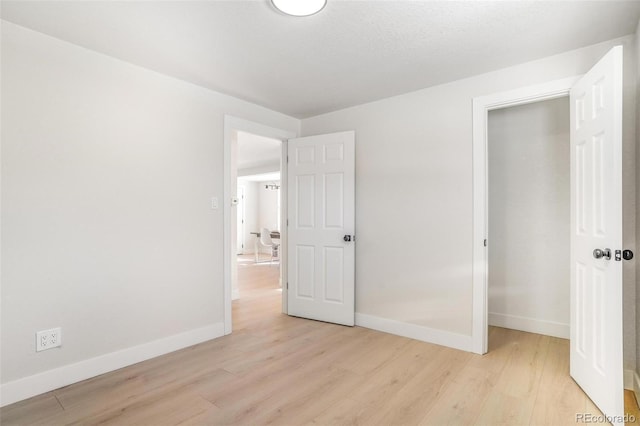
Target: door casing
{"points": [[481, 107], [241, 219]]}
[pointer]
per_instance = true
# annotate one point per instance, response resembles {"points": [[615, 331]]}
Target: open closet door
{"points": [[596, 235], [321, 226]]}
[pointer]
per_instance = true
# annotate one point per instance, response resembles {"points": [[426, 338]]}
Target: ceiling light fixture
{"points": [[299, 7], [272, 186]]}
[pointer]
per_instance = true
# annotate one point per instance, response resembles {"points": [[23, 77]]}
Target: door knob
{"points": [[627, 254], [347, 238], [602, 254]]}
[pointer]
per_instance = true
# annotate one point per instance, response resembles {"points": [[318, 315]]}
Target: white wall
{"points": [[414, 183], [529, 214], [108, 171], [233, 224], [251, 214]]}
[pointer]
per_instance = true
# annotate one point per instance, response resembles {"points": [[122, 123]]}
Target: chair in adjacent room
{"points": [[267, 241]]}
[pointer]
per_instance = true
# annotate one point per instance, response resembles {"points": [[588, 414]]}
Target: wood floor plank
{"points": [[631, 408], [517, 387], [346, 411], [167, 409], [31, 411], [501, 409], [378, 347], [382, 384], [129, 386], [210, 416], [267, 351], [523, 371], [292, 368], [414, 400], [502, 342], [462, 402], [312, 399], [560, 395], [262, 406]]}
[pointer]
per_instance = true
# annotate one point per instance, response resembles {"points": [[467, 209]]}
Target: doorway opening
{"points": [[528, 163], [257, 286], [254, 198], [481, 108]]}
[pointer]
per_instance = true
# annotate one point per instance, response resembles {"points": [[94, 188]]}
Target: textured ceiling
{"points": [[350, 53]]}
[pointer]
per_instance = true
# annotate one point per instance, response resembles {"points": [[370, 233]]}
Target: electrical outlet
{"points": [[47, 339]]}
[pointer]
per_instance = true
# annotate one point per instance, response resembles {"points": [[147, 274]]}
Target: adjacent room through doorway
{"points": [[257, 229]]}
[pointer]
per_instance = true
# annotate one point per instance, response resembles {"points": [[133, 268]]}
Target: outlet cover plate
{"points": [[48, 339]]}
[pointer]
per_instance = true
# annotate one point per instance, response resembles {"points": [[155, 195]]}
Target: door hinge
{"points": [[485, 242], [287, 285], [287, 222], [287, 158]]}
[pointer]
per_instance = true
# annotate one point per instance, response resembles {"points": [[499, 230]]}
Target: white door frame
{"points": [[242, 214], [231, 126], [481, 107]]}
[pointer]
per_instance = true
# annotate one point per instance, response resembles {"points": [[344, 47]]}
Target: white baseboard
{"points": [[632, 382], [628, 378], [418, 332], [46, 381], [531, 325]]}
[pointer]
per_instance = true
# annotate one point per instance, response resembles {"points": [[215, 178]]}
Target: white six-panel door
{"points": [[596, 223], [321, 212]]}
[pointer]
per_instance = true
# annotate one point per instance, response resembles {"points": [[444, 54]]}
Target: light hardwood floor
{"points": [[282, 370]]}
